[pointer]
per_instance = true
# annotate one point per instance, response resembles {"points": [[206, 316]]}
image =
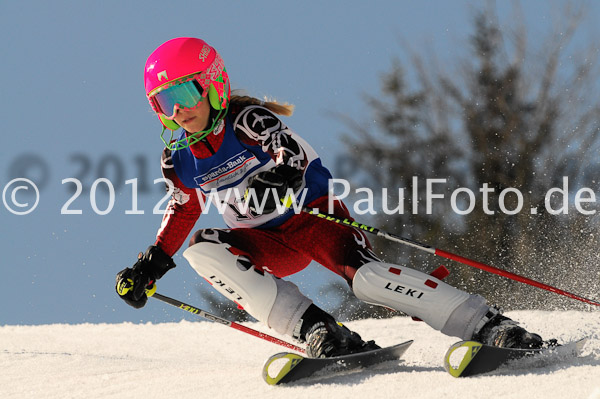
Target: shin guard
{"points": [[443, 307], [275, 302]]}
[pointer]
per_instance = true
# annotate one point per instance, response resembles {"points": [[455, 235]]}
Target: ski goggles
{"points": [[186, 94]]}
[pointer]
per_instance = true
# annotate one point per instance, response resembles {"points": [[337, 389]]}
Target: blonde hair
{"points": [[241, 100]]}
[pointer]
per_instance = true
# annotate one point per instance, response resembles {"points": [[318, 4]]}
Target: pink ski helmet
{"points": [[182, 72]]}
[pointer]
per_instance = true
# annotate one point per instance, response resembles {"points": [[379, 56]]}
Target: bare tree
{"points": [[506, 116]]}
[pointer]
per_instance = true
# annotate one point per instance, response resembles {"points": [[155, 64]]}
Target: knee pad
{"points": [[443, 307], [273, 301]]}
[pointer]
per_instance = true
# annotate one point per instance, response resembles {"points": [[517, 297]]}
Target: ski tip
{"points": [[286, 367], [460, 359], [455, 369], [285, 363]]}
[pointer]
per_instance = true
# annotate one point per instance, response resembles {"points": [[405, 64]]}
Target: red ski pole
{"points": [[447, 255], [225, 322]]}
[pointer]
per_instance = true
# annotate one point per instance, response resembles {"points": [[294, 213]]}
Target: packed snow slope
{"points": [[207, 360]]}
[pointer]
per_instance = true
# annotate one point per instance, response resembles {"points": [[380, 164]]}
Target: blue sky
{"points": [[73, 105]]}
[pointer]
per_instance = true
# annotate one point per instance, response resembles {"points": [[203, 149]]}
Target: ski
{"points": [[480, 359], [294, 367]]}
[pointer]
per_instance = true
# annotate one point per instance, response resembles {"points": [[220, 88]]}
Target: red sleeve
{"points": [[183, 210]]}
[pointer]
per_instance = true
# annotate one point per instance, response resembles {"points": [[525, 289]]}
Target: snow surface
{"points": [[207, 360]]}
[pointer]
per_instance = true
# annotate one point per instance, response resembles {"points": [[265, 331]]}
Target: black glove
{"points": [[133, 282], [280, 178]]}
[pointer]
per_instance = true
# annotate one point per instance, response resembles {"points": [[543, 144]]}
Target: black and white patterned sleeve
{"points": [[257, 126]]}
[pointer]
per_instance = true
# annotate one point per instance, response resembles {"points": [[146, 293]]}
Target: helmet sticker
{"points": [[162, 74], [204, 53]]}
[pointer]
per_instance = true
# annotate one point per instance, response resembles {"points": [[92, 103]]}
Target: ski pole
{"points": [[225, 322], [447, 255]]}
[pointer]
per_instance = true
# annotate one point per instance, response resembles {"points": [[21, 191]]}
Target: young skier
{"points": [[233, 142]]}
